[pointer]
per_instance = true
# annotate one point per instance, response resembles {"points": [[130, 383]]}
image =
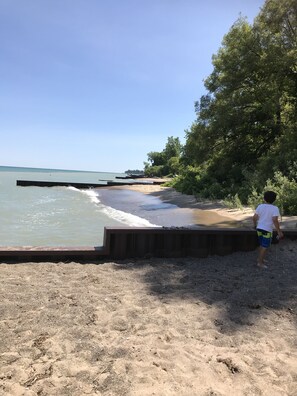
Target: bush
{"points": [[186, 182], [254, 199], [286, 190], [154, 171], [174, 165], [233, 201], [197, 181]]}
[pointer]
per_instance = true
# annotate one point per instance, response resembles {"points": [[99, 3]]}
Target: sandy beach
{"points": [[184, 327], [164, 206], [202, 212]]}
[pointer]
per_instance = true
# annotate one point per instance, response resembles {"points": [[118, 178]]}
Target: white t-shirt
{"points": [[266, 212]]}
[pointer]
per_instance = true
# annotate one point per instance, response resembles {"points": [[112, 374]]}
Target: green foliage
{"points": [[174, 165], [286, 190], [254, 199], [233, 202], [173, 148], [244, 139], [155, 171], [187, 182], [197, 181], [246, 127], [134, 172], [165, 162], [156, 158]]}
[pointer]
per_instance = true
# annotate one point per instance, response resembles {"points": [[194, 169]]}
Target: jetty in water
{"points": [[40, 183]]}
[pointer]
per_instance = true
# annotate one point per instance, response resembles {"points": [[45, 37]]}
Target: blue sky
{"points": [[97, 84]]}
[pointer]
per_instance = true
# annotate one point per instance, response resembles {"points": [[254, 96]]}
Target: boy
{"points": [[265, 217]]}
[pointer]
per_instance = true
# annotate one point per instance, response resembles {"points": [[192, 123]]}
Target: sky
{"points": [[98, 84]]}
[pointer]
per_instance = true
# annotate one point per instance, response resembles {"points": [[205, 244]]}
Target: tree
{"points": [[173, 148], [246, 124], [280, 43], [164, 162]]}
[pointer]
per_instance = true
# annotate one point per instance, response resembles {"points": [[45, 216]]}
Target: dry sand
{"points": [[182, 327], [214, 326]]}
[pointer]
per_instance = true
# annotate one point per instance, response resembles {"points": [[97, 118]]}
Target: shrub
{"points": [[154, 171], [188, 181], [233, 201], [286, 190]]}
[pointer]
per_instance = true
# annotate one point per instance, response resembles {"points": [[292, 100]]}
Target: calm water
{"points": [[56, 216]]}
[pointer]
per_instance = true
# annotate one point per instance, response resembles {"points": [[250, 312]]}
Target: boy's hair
{"points": [[269, 196]]}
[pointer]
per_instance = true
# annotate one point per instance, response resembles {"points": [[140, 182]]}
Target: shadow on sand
{"points": [[242, 292]]}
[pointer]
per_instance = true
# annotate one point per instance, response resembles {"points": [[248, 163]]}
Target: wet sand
{"points": [[186, 210], [164, 206]]}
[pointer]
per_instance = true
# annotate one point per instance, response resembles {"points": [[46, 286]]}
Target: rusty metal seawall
{"points": [[124, 243], [177, 242]]}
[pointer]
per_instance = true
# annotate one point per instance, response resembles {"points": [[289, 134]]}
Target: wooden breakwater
{"points": [[126, 243], [131, 176], [108, 183], [40, 183]]}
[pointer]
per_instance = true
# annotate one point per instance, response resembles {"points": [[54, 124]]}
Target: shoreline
{"points": [[179, 209], [216, 210]]}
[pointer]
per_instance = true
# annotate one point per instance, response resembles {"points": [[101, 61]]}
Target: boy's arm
{"points": [[277, 227], [255, 219]]}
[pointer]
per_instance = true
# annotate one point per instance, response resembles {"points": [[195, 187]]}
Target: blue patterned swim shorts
{"points": [[265, 238]]}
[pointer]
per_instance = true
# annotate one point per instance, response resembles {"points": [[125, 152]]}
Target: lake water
{"points": [[57, 216]]}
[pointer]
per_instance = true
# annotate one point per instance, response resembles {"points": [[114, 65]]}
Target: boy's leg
{"points": [[261, 256], [264, 241]]}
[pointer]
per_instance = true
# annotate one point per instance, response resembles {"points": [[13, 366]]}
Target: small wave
{"points": [[116, 214], [72, 188], [126, 218], [93, 196]]}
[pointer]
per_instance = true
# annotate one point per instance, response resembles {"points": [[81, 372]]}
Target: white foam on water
{"points": [[91, 194], [116, 214], [126, 218]]}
